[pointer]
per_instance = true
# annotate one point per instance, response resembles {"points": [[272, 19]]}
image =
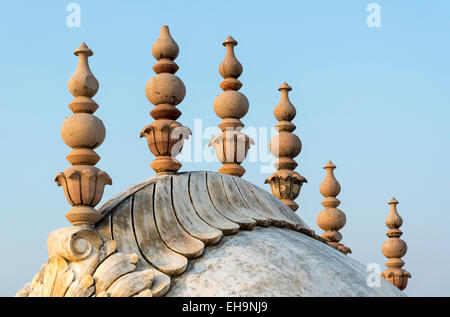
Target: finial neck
{"points": [[284, 95], [83, 62], [230, 50]]}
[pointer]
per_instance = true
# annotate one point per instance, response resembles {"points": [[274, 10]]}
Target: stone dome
{"points": [[197, 234], [209, 234]]}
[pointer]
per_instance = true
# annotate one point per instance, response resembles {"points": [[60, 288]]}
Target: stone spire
{"points": [[331, 219], [83, 183], [231, 145], [165, 136], [394, 249], [285, 183]]}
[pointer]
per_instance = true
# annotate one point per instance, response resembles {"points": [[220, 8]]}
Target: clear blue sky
{"points": [[375, 101]]}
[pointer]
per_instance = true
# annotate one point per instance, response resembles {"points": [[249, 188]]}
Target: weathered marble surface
{"points": [[172, 218], [275, 262], [207, 234]]}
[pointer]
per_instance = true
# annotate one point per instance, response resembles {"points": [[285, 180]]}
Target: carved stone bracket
{"points": [[81, 264]]}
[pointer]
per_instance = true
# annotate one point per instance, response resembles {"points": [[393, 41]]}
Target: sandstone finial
{"points": [[165, 50], [331, 219], [165, 136], [83, 183], [165, 46], [231, 145], [83, 82], [284, 111], [394, 249], [230, 68], [285, 183]]}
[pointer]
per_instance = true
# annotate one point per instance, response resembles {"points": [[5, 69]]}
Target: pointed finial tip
{"points": [[393, 201], [285, 86], [165, 32], [83, 48], [230, 40], [329, 165]]}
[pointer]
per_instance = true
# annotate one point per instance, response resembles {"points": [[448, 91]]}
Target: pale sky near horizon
{"points": [[375, 101]]}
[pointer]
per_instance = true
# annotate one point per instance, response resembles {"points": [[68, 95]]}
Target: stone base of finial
{"points": [[286, 185], [84, 216], [397, 277], [290, 203], [165, 165], [340, 247], [232, 169]]}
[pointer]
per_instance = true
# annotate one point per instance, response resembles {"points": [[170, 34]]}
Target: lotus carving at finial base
{"points": [[286, 186], [231, 146], [397, 277], [165, 140], [83, 184]]}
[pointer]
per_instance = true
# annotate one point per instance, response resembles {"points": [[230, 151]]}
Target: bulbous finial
{"points": [[165, 136], [83, 82], [231, 145], [332, 219], [165, 50], [165, 46], [284, 111], [394, 249], [393, 220], [330, 187], [83, 183], [285, 183], [230, 66]]}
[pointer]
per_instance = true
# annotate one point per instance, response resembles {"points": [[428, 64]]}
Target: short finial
{"points": [[83, 183], [231, 145], [165, 136], [332, 219], [394, 249], [285, 183]]}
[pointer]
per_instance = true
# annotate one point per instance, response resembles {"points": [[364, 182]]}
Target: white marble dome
{"points": [[275, 262], [219, 235], [198, 234]]}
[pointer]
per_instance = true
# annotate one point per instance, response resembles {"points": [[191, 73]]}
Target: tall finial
{"points": [[165, 136], [83, 183], [231, 145], [331, 219], [285, 183], [394, 249]]}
